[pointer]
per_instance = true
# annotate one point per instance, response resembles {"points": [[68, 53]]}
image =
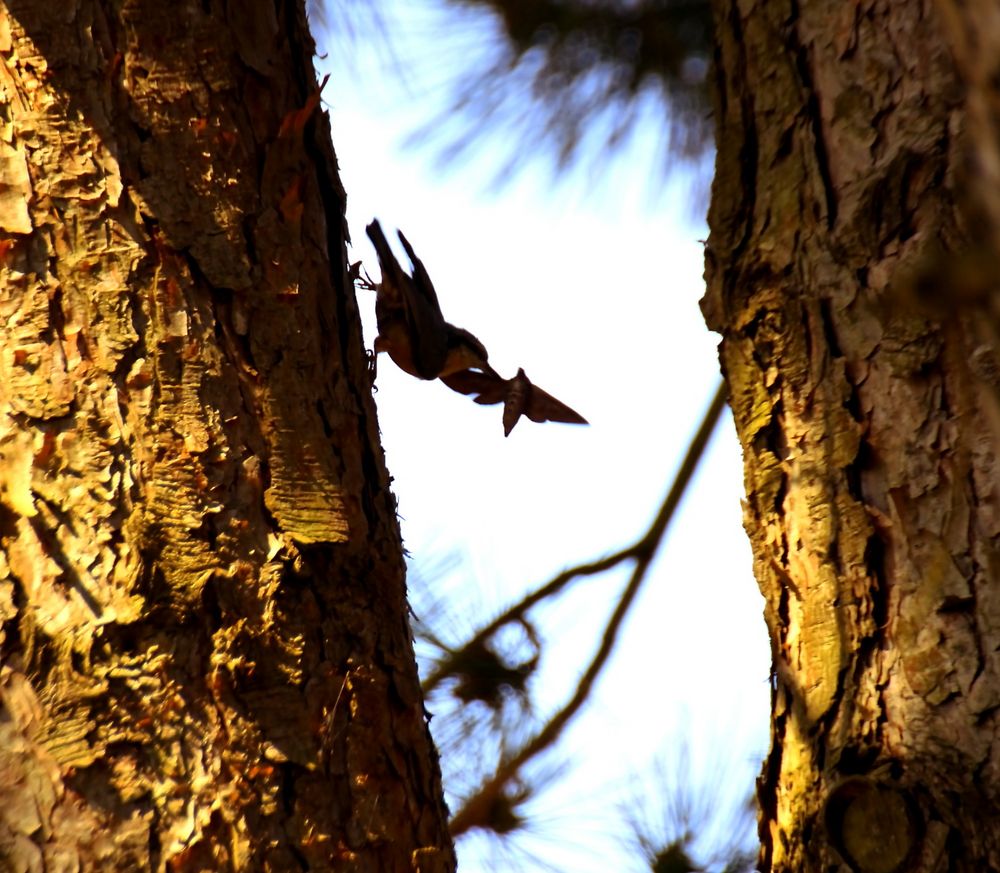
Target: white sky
{"points": [[596, 297]]}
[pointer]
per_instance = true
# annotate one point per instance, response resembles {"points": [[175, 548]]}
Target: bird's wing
{"points": [[421, 278], [423, 312]]}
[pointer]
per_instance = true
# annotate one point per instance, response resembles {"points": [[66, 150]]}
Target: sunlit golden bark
{"points": [[852, 274], [206, 663]]}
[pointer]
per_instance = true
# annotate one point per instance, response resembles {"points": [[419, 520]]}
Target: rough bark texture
{"points": [[851, 271], [206, 662]]}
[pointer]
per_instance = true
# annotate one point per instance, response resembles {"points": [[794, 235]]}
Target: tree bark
{"points": [[206, 661], [851, 272]]}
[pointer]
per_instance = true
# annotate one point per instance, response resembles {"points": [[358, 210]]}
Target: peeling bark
{"points": [[205, 661], [846, 269]]}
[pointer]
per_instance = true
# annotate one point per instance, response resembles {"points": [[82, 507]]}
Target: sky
{"points": [[592, 286]]}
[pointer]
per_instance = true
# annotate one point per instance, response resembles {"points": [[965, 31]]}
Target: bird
{"points": [[411, 327], [518, 395]]}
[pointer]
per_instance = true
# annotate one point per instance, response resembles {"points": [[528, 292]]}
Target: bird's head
{"points": [[464, 352]]}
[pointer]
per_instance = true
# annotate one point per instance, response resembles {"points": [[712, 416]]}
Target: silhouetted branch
{"points": [[642, 552]]}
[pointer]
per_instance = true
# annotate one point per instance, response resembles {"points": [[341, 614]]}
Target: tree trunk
{"points": [[206, 661], [852, 269]]}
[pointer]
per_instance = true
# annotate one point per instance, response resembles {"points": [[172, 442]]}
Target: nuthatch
{"points": [[518, 395], [411, 327], [413, 331]]}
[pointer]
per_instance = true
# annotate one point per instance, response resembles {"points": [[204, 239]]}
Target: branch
{"points": [[642, 551]]}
